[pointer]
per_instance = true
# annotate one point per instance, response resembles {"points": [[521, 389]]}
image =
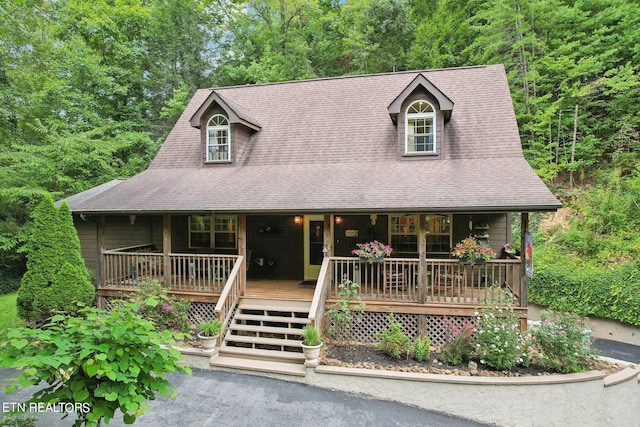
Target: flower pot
{"points": [[464, 260], [311, 354], [208, 343], [371, 260]]}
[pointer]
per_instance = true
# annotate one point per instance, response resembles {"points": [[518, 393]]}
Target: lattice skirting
{"points": [[198, 312], [434, 326]]}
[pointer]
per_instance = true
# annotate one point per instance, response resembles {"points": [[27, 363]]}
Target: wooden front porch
{"points": [[396, 283]]}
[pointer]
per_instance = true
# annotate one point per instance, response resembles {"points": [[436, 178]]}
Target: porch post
{"points": [[101, 248], [242, 250], [166, 249], [328, 232], [524, 281], [422, 258]]}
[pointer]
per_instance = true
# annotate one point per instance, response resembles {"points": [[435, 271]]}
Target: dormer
{"points": [[420, 113], [225, 129]]}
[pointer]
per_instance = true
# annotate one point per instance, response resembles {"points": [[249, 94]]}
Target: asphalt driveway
{"points": [[215, 398]]}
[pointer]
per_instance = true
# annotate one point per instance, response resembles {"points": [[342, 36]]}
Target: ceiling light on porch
{"points": [[132, 218], [339, 219], [373, 218], [297, 219]]}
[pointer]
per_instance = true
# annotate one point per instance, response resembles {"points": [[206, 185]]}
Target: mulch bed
{"points": [[368, 357]]}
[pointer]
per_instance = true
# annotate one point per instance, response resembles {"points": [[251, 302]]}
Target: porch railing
{"points": [[233, 289], [182, 272], [444, 280], [316, 310]]}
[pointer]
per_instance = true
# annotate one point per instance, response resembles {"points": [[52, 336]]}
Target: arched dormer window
{"points": [[420, 128], [218, 139]]}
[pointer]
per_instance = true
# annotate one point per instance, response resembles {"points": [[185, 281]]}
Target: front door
{"points": [[313, 245]]}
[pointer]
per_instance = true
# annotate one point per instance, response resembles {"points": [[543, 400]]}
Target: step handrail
{"points": [[230, 294], [316, 311]]}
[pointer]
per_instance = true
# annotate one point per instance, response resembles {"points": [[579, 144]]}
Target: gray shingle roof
{"points": [[330, 145]]}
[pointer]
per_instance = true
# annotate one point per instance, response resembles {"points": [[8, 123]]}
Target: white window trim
{"points": [[408, 116], [209, 144]]}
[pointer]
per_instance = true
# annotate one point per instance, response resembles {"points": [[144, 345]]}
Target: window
{"points": [[404, 234], [421, 128], [218, 139], [222, 235], [438, 236]]}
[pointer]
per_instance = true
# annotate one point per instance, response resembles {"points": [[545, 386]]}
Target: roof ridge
{"points": [[351, 76]]}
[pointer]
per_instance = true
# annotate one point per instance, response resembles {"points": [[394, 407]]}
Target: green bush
{"points": [[342, 315], [563, 342], [393, 341], [18, 420], [498, 341], [165, 311], [458, 347], [421, 348], [9, 284], [98, 362], [564, 284], [56, 278]]}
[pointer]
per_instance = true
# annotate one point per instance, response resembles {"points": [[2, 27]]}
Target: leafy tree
{"points": [[56, 277], [96, 363]]}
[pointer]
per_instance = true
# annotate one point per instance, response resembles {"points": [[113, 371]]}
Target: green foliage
{"points": [[311, 335], [210, 328], [563, 283], [56, 277], [100, 362], [498, 340], [165, 311], [343, 314], [393, 341], [18, 420], [563, 342], [421, 348], [458, 347]]}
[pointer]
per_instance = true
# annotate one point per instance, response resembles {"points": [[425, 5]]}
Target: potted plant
{"points": [[472, 251], [311, 345], [208, 332], [372, 251]]}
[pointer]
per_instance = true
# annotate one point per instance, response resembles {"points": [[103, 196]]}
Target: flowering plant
{"points": [[473, 249], [393, 341], [372, 250]]}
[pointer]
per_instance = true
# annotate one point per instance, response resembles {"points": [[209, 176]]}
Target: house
{"points": [[271, 186]]}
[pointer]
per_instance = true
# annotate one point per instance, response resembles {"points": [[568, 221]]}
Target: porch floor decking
{"points": [[279, 289]]}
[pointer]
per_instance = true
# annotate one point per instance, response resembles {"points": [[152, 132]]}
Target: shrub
{"points": [[393, 341], [18, 420], [343, 314], [563, 342], [56, 278], [498, 340], [458, 347], [165, 311], [421, 349], [96, 363], [9, 284]]}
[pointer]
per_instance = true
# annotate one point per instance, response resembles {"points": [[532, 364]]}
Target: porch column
{"points": [[422, 259], [328, 232], [101, 248], [524, 280], [242, 250], [166, 249]]}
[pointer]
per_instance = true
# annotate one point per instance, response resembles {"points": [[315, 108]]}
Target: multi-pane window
{"points": [[218, 232], [403, 230], [218, 139], [421, 128], [438, 236]]}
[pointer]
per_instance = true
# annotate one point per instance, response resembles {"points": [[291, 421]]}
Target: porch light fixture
{"points": [[373, 218], [297, 219], [339, 219], [132, 218]]}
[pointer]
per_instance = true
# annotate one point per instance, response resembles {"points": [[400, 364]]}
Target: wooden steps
{"points": [[264, 335]]}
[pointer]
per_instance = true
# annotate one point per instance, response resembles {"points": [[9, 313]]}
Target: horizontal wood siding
{"points": [[499, 228], [343, 244], [87, 234]]}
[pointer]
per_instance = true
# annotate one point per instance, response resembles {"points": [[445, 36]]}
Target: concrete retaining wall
{"points": [[586, 399]]}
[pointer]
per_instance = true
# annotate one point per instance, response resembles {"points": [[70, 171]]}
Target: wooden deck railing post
{"points": [[166, 249]]}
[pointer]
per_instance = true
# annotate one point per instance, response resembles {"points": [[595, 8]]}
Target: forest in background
{"points": [[89, 90]]}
